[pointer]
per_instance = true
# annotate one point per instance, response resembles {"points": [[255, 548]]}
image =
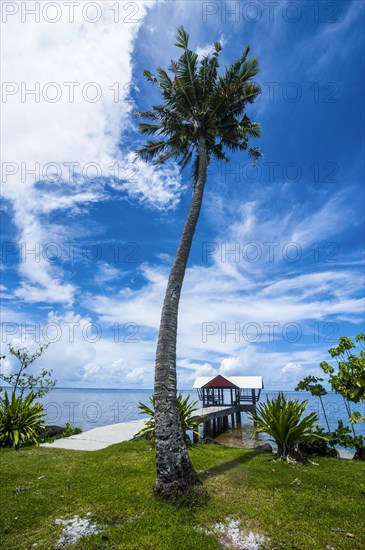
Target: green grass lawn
{"points": [[115, 486]]}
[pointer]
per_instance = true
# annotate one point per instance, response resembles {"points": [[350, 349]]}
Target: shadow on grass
{"points": [[222, 468]]}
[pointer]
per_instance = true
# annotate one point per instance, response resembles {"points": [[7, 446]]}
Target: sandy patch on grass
{"points": [[230, 536], [75, 528]]}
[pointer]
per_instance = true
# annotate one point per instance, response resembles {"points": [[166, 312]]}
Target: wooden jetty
{"points": [[224, 397]]}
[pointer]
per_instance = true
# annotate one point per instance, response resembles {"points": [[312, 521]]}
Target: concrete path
{"points": [[98, 438], [102, 437]]}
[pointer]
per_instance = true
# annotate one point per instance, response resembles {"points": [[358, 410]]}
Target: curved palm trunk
{"points": [[175, 473]]}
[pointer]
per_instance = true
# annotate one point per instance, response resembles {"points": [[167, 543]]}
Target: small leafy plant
{"points": [[186, 416], [320, 447], [51, 433], [69, 430], [347, 380], [313, 385], [20, 420], [22, 380], [325, 447], [283, 419]]}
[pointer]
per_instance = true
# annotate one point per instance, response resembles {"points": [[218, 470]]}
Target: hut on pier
{"points": [[229, 390]]}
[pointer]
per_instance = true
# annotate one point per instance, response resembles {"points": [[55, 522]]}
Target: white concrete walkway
{"points": [[102, 437], [98, 438]]}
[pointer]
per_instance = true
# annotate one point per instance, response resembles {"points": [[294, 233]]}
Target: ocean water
{"points": [[90, 408]]}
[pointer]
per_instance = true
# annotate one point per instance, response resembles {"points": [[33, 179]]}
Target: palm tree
{"points": [[202, 113]]}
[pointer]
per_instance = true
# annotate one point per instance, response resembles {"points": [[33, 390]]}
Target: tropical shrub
{"points": [[320, 447], [345, 436], [347, 380], [325, 447], [69, 430], [283, 420], [312, 384], [20, 420], [48, 434], [185, 409], [22, 380]]}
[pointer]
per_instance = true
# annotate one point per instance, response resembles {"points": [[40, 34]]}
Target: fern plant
{"points": [[20, 420], [186, 416], [283, 420]]}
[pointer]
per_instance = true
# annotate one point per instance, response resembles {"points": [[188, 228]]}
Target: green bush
{"points": [[48, 434], [21, 380], [283, 419], [320, 447], [347, 380], [20, 420], [69, 430], [185, 409]]}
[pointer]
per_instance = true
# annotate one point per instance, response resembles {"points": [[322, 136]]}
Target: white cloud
{"points": [[281, 370], [222, 291], [296, 225], [188, 371], [208, 49], [106, 273], [343, 30], [159, 188], [237, 327], [292, 372], [246, 311], [81, 353], [238, 330], [70, 141], [50, 290]]}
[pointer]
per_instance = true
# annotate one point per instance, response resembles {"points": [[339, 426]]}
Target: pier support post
{"points": [[207, 428], [238, 418], [225, 423], [219, 424], [232, 420], [254, 405]]}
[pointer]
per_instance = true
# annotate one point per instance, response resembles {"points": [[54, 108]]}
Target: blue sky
{"points": [[275, 275]]}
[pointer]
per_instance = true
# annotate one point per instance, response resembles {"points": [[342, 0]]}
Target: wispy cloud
{"points": [[239, 313], [73, 144], [208, 49]]}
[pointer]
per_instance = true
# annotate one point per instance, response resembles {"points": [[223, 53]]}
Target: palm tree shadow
{"points": [[222, 468]]}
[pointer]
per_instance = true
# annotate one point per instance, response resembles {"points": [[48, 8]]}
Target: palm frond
{"points": [[182, 38], [151, 150], [148, 129], [145, 114], [217, 152], [255, 153], [197, 100], [149, 76], [252, 129], [185, 159], [250, 68]]}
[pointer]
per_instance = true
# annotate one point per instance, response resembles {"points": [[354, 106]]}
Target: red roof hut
{"points": [[229, 390]]}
